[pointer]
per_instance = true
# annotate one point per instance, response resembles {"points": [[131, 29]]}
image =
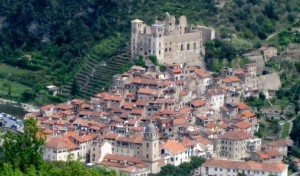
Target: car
{"points": [[13, 126]]}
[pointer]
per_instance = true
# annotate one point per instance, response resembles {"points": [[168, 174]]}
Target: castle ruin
{"points": [[169, 41]]}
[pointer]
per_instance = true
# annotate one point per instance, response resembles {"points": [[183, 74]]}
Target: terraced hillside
{"points": [[96, 76]]}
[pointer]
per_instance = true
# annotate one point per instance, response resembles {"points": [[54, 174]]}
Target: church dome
{"points": [[150, 128]]}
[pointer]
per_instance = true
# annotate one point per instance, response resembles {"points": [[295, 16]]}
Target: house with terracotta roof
{"points": [[236, 144], [268, 52], [215, 98], [245, 126], [47, 110], [271, 156], [203, 80], [229, 111], [282, 145], [184, 97], [131, 166], [232, 97], [68, 146], [61, 148], [174, 152], [128, 145], [146, 93], [198, 105], [216, 166]]}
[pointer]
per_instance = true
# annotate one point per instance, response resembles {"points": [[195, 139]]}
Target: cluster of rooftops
{"points": [[187, 106]]}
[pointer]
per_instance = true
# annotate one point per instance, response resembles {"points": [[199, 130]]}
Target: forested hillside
{"points": [[52, 39]]}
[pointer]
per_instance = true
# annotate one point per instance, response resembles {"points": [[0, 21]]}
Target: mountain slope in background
{"points": [[55, 38]]}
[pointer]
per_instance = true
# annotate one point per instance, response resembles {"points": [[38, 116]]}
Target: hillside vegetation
{"points": [[53, 39]]}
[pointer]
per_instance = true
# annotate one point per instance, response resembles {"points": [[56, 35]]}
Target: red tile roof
{"points": [[174, 147], [60, 142], [281, 143], [198, 102], [236, 135], [146, 91], [242, 106], [242, 165], [242, 125]]}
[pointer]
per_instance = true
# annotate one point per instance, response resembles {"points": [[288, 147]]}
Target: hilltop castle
{"points": [[169, 41]]}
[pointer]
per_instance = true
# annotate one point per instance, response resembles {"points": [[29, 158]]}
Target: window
{"points": [[181, 47], [188, 46], [147, 156], [147, 145]]}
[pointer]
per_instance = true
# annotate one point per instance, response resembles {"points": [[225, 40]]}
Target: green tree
{"points": [[269, 10], [9, 90], [23, 150], [8, 170], [74, 88], [153, 59], [27, 95], [140, 62], [162, 68]]}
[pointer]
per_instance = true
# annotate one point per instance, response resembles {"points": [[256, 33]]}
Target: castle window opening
{"points": [[188, 46], [181, 47], [194, 45], [169, 49]]}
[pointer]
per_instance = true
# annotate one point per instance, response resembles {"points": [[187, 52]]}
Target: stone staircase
{"points": [[96, 76]]}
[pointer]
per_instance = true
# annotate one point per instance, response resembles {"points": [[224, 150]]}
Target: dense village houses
{"points": [[148, 118]]}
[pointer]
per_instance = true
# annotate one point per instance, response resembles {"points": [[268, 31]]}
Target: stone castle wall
{"points": [[170, 42]]}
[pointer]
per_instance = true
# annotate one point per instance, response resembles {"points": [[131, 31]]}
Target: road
{"points": [[10, 122]]}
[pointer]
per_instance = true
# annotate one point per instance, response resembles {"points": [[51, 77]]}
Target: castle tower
{"points": [[137, 27], [157, 41], [182, 24], [150, 148], [170, 24]]}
